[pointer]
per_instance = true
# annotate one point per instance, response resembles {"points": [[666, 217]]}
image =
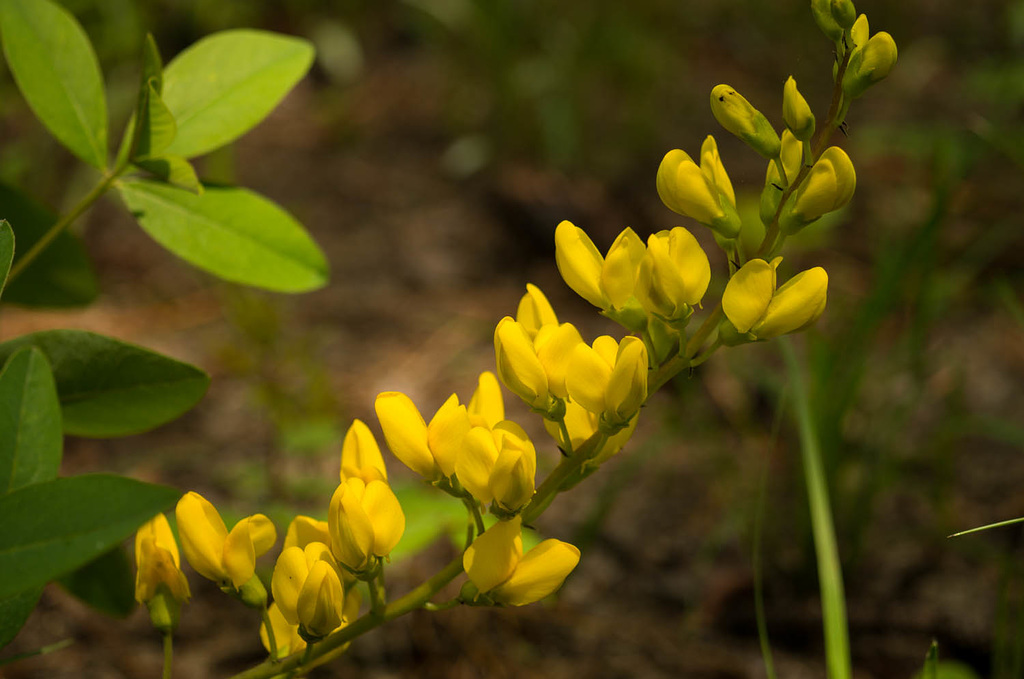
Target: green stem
{"points": [[707, 354], [168, 655], [830, 575], [270, 633], [564, 430], [61, 224], [553, 483], [378, 597], [705, 330], [49, 648], [474, 511]]}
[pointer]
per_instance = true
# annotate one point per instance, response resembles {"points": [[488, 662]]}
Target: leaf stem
{"points": [[61, 224], [270, 632]]}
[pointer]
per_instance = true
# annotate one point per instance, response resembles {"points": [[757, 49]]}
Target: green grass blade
{"points": [[830, 576]]}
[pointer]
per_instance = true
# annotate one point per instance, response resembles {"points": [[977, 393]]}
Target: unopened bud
{"points": [[737, 115]]}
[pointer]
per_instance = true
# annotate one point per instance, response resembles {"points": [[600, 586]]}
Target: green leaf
{"points": [[106, 583], [31, 441], [173, 170], [152, 64], [109, 388], [54, 527], [6, 251], [233, 233], [158, 128], [224, 85], [14, 611], [56, 69], [62, 275]]}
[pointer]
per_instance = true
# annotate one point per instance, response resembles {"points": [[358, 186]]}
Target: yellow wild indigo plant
{"points": [[589, 393]]}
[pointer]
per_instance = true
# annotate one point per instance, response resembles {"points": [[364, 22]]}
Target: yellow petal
{"points": [[155, 567], [518, 365], [695, 195], [351, 530], [554, 345], [795, 111], [360, 454], [159, 529], [493, 556], [711, 165], [386, 517], [405, 431], [487, 407], [202, 534], [860, 31], [535, 310], [474, 466], [587, 378], [795, 305], [304, 530], [618, 273], [748, 294], [666, 179], [290, 573], [445, 433], [321, 599], [580, 263], [515, 471], [540, 572], [241, 547], [627, 385]]}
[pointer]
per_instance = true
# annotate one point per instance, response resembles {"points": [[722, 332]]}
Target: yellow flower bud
{"points": [[843, 12], [554, 344], [158, 563], [860, 32], [774, 185], [360, 454], [795, 111], [869, 64], [365, 521], [304, 530], [609, 379], [487, 407], [828, 187], [518, 365], [496, 565], [580, 263], [702, 193], [735, 113], [822, 11], [499, 465], [535, 311], [674, 275], [216, 554], [757, 310], [285, 634], [290, 573]]}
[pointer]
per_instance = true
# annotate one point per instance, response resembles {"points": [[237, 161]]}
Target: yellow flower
{"points": [[535, 311], [487, 407], [553, 345], [703, 193], [870, 61], [158, 562], [735, 113], [285, 634], [366, 522], [497, 567], [429, 450], [216, 554], [673, 276], [360, 454], [609, 379], [828, 187], [604, 281], [792, 158], [499, 465], [795, 111], [307, 588], [304, 530], [757, 310]]}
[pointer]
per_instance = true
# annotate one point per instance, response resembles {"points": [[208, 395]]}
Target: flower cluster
{"points": [[589, 393]]}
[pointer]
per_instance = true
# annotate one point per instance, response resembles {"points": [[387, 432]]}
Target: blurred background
{"points": [[431, 152]]}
